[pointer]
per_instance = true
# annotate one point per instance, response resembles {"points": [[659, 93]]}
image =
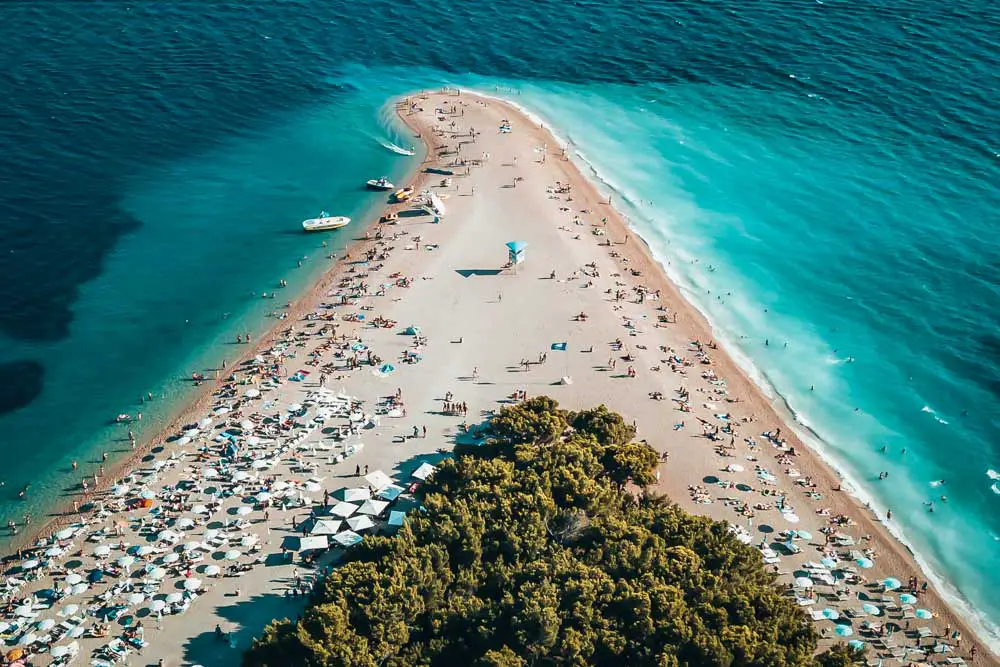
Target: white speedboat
{"points": [[325, 222], [380, 184]]}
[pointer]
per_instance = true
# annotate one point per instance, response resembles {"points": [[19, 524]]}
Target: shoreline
{"points": [[690, 321], [965, 613], [690, 315], [62, 513]]}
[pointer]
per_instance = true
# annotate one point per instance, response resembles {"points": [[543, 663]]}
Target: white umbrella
{"points": [[59, 651], [354, 495], [263, 497], [241, 476], [28, 639], [244, 510], [157, 573], [248, 540], [157, 605], [65, 533], [209, 473], [344, 509], [378, 480], [185, 523], [171, 558], [359, 523], [260, 464], [46, 624], [312, 487], [144, 550], [205, 421], [168, 535], [233, 554], [73, 578], [136, 598], [102, 551], [199, 509], [126, 561], [347, 538], [424, 471], [30, 564], [173, 598], [191, 432], [53, 551], [803, 582], [279, 486], [191, 546], [75, 633], [252, 393], [372, 507], [146, 494], [183, 440], [222, 411], [120, 489], [24, 611], [325, 527], [211, 534], [246, 425], [253, 441], [791, 518], [4, 626], [192, 584], [69, 610], [294, 407], [212, 570], [79, 589]]}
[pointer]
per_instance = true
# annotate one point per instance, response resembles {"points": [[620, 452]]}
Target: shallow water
{"points": [[823, 175]]}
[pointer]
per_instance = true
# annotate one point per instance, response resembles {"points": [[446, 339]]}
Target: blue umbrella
{"points": [[828, 562], [804, 534], [856, 644], [892, 583], [906, 598], [386, 368], [865, 563], [923, 613], [871, 609], [843, 630], [831, 614], [516, 246]]}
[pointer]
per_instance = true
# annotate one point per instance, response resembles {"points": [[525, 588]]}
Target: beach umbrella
{"points": [[241, 476], [73, 578], [312, 487], [263, 497], [390, 492], [344, 509], [856, 644], [28, 639], [4, 627], [222, 411], [14, 654], [359, 523], [260, 464], [157, 573], [199, 509], [244, 510], [173, 598], [734, 467], [24, 611], [923, 613], [372, 507], [136, 598], [53, 551], [212, 570], [205, 421], [191, 432], [831, 614], [347, 538], [102, 551], [253, 440], [126, 561], [209, 473], [171, 558], [157, 606], [211, 534], [59, 651], [385, 369], [791, 518], [252, 393], [65, 533], [79, 589], [279, 486], [892, 583], [69, 610], [248, 540], [869, 608], [424, 471], [294, 407], [192, 584], [184, 440], [803, 534], [803, 582], [192, 545], [906, 598], [865, 563], [185, 523], [46, 625], [357, 494], [120, 489], [828, 562], [246, 425], [30, 564], [144, 550], [233, 554], [843, 630], [396, 518], [146, 494]]}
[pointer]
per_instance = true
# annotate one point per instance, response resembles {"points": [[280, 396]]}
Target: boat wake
{"points": [[397, 149]]}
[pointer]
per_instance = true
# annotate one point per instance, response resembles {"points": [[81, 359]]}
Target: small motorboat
{"points": [[325, 222], [389, 218], [380, 184], [403, 194]]}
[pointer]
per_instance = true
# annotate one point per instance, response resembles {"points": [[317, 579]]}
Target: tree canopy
{"points": [[530, 551]]}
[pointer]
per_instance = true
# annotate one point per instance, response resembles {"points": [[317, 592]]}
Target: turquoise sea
{"points": [[823, 176]]}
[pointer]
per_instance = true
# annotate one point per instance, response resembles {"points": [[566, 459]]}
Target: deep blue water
{"points": [[821, 174]]}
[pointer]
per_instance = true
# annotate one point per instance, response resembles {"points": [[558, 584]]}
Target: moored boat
{"points": [[380, 184], [325, 222]]}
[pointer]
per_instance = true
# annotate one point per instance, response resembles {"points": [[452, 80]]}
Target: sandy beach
{"points": [[404, 346]]}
